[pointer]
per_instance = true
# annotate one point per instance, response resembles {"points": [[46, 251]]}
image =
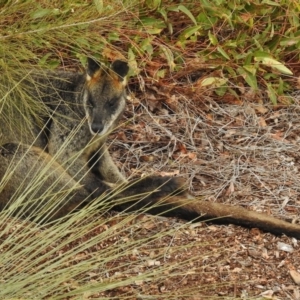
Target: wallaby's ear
{"points": [[120, 67], [92, 66]]}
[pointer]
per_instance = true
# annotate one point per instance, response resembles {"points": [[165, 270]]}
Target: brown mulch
{"points": [[232, 262], [240, 154]]}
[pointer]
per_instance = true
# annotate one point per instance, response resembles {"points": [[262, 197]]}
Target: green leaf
{"points": [[249, 77], [269, 2], [53, 64], [272, 94], [42, 61], [40, 13], [220, 50], [99, 5], [153, 25], [153, 4], [164, 14], [271, 62], [81, 41], [260, 54], [146, 46], [250, 68], [47, 62], [280, 87], [212, 38], [113, 37], [290, 41], [131, 55], [160, 73], [169, 56], [216, 81], [189, 32], [183, 9], [207, 21], [221, 91]]}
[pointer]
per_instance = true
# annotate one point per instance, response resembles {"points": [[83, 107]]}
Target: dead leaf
{"points": [[285, 100], [192, 155], [122, 136], [284, 247], [246, 16], [296, 276], [213, 228], [182, 148], [261, 109], [254, 253], [262, 122], [147, 158], [230, 189], [174, 173], [267, 294], [277, 136], [209, 117], [152, 262], [112, 54], [298, 82]]}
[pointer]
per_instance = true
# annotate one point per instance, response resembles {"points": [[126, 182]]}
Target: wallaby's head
{"points": [[104, 95]]}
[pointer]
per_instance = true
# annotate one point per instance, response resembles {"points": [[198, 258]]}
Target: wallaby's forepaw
{"points": [[9, 149], [157, 186], [154, 194]]}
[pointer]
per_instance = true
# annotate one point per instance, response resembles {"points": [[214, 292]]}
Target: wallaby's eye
{"points": [[113, 102], [91, 102]]}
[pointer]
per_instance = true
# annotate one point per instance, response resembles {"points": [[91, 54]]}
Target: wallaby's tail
{"points": [[222, 213]]}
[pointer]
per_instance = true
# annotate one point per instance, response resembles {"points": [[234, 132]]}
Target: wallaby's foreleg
{"points": [[150, 194], [105, 167]]}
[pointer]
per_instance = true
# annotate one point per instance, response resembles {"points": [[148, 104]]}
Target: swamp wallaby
{"points": [[82, 110]]}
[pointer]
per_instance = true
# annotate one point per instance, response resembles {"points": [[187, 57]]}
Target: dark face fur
{"points": [[104, 96]]}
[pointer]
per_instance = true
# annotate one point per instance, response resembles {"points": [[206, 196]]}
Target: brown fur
{"points": [[20, 166], [226, 214]]}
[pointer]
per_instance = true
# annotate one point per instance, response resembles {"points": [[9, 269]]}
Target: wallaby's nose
{"points": [[97, 127]]}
